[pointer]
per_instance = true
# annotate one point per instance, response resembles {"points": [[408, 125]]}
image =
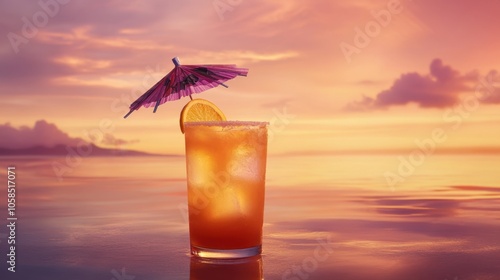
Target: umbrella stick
{"points": [[156, 105], [190, 97], [176, 61], [128, 114]]}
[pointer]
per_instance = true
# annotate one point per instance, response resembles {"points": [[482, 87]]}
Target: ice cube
{"points": [[229, 203], [244, 163], [200, 167]]}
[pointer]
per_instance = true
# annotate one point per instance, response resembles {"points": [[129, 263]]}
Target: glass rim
{"points": [[227, 123]]}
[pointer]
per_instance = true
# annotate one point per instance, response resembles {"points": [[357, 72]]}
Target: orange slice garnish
{"points": [[199, 110]]}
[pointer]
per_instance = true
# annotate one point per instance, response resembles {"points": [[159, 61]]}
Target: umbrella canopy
{"points": [[185, 80]]}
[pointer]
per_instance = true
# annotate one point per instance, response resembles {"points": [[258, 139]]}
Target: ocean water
{"points": [[326, 217]]}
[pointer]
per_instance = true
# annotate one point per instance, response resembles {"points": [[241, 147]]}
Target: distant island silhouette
{"points": [[63, 150]]}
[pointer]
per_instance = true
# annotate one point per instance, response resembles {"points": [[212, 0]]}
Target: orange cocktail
{"points": [[226, 167]]}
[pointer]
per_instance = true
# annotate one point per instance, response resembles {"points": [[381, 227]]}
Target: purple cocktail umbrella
{"points": [[185, 80]]}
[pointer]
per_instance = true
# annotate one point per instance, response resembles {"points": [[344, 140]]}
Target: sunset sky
{"points": [[326, 74]]}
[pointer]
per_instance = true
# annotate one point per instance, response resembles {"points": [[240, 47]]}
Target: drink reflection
{"points": [[241, 269]]}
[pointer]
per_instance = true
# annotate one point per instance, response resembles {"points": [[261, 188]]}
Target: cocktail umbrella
{"points": [[185, 80]]}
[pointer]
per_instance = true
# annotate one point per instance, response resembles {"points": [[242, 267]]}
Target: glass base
{"points": [[225, 254]]}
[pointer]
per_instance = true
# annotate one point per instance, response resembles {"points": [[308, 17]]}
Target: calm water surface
{"points": [[326, 217]]}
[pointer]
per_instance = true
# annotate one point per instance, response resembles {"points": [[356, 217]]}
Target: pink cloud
{"points": [[41, 134], [493, 91], [441, 88], [110, 140], [48, 135]]}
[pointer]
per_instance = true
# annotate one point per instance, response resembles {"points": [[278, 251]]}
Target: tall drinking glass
{"points": [[226, 167], [231, 269]]}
